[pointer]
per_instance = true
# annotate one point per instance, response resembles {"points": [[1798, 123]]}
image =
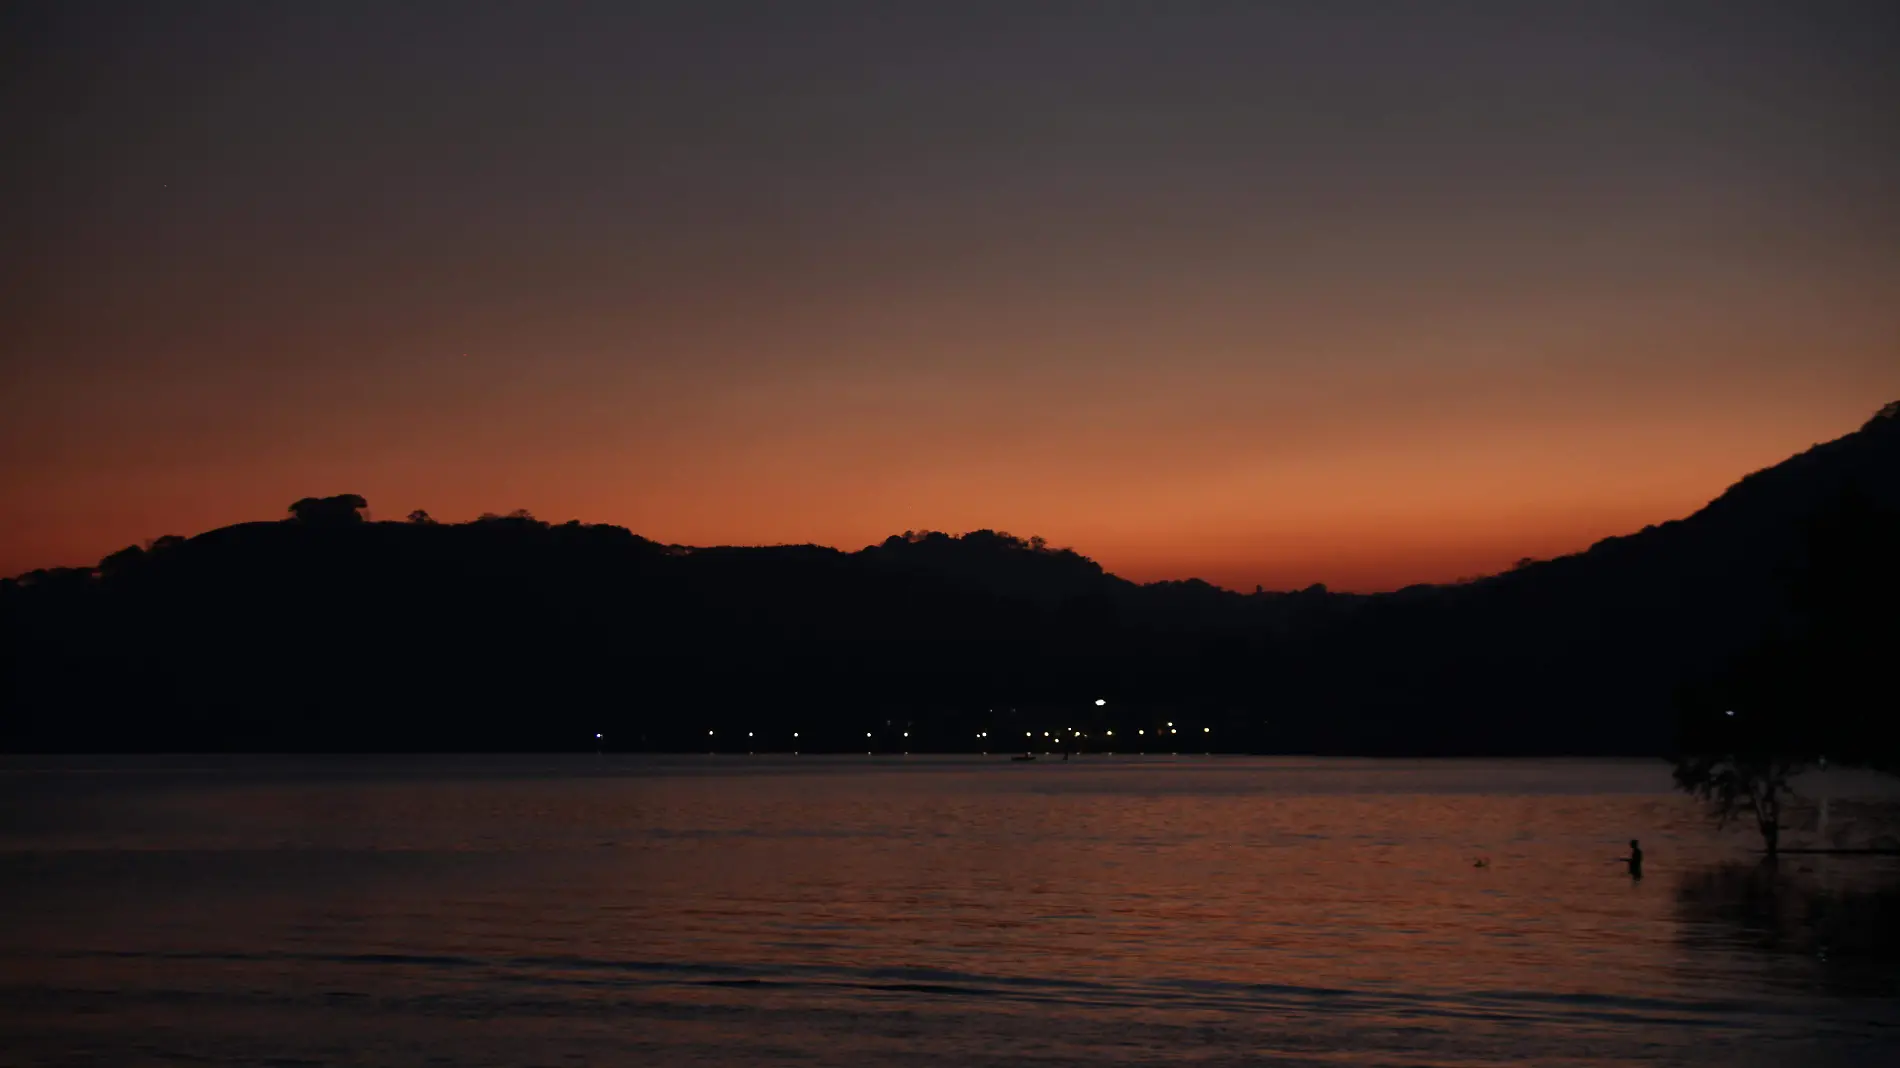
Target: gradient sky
{"points": [[1359, 293]]}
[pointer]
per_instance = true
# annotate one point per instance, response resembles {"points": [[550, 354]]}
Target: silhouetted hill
{"points": [[329, 631], [1597, 644]]}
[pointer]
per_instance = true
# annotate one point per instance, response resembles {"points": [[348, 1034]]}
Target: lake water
{"points": [[836, 911]]}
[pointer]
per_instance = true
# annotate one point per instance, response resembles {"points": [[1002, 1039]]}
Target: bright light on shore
{"points": [[1099, 702]]}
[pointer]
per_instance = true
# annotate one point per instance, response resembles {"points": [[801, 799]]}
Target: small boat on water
{"points": [[1023, 757]]}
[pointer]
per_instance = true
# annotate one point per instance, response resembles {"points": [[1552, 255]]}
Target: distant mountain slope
{"points": [[325, 631], [1593, 646]]}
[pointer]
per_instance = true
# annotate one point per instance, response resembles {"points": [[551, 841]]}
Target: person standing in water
{"points": [[1635, 860]]}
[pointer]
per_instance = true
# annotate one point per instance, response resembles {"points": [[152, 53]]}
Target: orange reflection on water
{"points": [[874, 912]]}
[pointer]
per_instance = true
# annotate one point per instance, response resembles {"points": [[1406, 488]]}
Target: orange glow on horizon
{"points": [[1373, 516], [1271, 295]]}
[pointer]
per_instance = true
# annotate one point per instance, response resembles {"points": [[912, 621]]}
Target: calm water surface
{"points": [[834, 911]]}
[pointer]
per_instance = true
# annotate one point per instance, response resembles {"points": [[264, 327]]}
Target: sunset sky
{"points": [[1278, 293]]}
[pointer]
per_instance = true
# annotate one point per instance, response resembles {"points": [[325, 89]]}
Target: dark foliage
{"points": [[1746, 784], [1818, 686], [340, 510], [329, 631]]}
